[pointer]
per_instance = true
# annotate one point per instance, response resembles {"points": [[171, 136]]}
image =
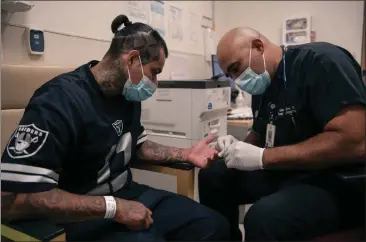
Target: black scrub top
{"points": [[321, 79]]}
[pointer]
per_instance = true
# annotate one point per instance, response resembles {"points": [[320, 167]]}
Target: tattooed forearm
{"points": [[56, 205], [156, 152], [7, 200]]}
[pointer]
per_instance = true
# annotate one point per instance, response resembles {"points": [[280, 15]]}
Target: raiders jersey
{"points": [[74, 138]]}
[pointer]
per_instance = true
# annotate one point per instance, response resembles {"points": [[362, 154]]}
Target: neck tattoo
{"points": [[109, 78]]}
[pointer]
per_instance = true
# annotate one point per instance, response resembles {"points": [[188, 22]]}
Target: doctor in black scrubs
{"points": [[308, 105]]}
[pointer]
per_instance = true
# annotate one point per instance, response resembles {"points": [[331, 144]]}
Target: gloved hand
{"points": [[243, 156], [223, 142]]}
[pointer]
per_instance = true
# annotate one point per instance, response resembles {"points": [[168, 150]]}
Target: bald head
{"points": [[237, 38], [241, 34], [234, 48]]}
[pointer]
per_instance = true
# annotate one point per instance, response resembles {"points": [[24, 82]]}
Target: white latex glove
{"points": [[243, 156], [223, 142]]}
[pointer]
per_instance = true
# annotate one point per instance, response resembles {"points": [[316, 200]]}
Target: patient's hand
{"points": [[201, 155]]}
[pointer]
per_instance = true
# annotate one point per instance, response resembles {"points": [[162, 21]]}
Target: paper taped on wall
{"points": [[138, 11], [157, 16], [175, 23]]}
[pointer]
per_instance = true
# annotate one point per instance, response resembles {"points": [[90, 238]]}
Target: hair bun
{"points": [[118, 21]]}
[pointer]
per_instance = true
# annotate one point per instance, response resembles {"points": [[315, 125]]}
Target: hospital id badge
{"points": [[270, 135]]}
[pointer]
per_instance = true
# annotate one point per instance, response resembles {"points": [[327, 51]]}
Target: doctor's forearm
{"points": [[158, 153], [323, 150]]}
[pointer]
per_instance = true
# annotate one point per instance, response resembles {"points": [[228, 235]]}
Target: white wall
{"points": [[78, 31], [338, 22]]}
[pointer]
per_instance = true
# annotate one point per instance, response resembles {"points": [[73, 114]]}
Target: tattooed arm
{"points": [[160, 153], [55, 204], [62, 207]]}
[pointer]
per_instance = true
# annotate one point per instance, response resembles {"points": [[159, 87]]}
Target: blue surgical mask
{"points": [[140, 92], [251, 82]]}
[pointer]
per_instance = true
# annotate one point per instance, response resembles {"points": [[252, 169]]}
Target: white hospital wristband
{"points": [[110, 207]]}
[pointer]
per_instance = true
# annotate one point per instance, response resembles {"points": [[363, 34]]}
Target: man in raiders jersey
{"points": [[68, 160]]}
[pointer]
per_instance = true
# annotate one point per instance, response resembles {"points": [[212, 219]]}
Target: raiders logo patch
{"points": [[26, 141]]}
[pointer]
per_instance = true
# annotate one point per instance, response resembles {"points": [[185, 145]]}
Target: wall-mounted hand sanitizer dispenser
{"points": [[35, 41]]}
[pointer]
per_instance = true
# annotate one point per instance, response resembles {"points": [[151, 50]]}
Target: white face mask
{"points": [[140, 92], [251, 82]]}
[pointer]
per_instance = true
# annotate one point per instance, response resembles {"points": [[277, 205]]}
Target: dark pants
{"points": [[287, 205], [175, 218]]}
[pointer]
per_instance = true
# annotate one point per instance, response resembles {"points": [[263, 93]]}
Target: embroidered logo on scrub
{"points": [[118, 126]]}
